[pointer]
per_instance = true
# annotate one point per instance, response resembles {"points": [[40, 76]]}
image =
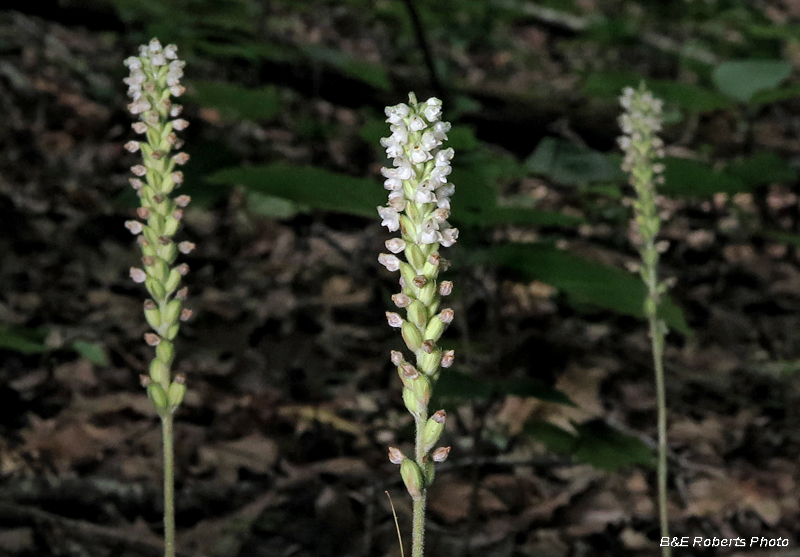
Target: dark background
{"points": [[292, 402]]}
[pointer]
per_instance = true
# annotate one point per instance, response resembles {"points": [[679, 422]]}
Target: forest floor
{"points": [[292, 401]]}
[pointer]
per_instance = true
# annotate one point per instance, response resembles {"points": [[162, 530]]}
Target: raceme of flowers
{"points": [[419, 206], [154, 78]]}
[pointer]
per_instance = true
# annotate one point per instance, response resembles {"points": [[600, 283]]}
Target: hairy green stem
{"points": [[169, 486], [657, 341], [418, 524]]}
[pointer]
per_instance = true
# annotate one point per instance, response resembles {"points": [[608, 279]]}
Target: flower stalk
{"points": [[419, 206], [154, 78], [640, 122]]}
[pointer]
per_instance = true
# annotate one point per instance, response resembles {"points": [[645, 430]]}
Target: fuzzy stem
{"points": [[169, 486], [418, 525], [657, 340]]}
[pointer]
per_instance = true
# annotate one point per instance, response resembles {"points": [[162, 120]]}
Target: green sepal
{"points": [[151, 237], [158, 396], [172, 312], [412, 477], [168, 253], [159, 371], [408, 274], [421, 387], [155, 288], [176, 393], [165, 353], [433, 431], [172, 332], [153, 317], [430, 270], [427, 293], [435, 328], [429, 363], [415, 256], [173, 281], [407, 227], [412, 405], [158, 270], [430, 473], [411, 335], [167, 185], [417, 314], [171, 225], [412, 209]]}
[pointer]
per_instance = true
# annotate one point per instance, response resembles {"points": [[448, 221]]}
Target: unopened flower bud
{"points": [[433, 259], [138, 275], [143, 212], [447, 315], [182, 200], [186, 314], [152, 339], [448, 357], [428, 346], [394, 319], [397, 357], [139, 127], [445, 287], [420, 281], [139, 170], [177, 214], [440, 454], [183, 269], [182, 294], [180, 124], [391, 262], [409, 371], [395, 245], [412, 477], [401, 300], [134, 226], [181, 158], [396, 456], [186, 247], [177, 178], [136, 183], [132, 146]]}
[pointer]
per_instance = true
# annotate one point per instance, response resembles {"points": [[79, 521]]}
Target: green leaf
{"points": [[306, 185], [782, 237], [93, 352], [26, 341], [761, 169], [608, 449], [691, 98], [568, 164], [776, 95], [372, 74], [516, 215], [271, 206], [694, 179], [585, 282], [236, 102], [741, 79], [556, 439], [453, 384], [594, 443]]}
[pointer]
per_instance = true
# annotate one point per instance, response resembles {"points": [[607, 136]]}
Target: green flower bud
{"points": [[434, 428], [156, 393], [176, 392], [427, 294], [172, 332], [411, 402], [411, 335], [408, 274], [172, 312], [159, 371], [412, 477], [165, 352], [417, 314], [152, 314], [421, 387], [429, 363], [155, 288], [428, 472], [414, 256], [435, 328], [173, 281]]}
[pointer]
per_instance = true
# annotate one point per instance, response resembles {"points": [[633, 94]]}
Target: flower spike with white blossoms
{"points": [[154, 78], [419, 206], [640, 122]]}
